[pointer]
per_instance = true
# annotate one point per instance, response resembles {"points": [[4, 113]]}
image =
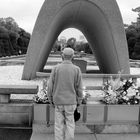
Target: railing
{"points": [[7, 90], [43, 74], [16, 114], [93, 77]]}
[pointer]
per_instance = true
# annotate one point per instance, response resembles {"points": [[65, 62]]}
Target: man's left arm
{"points": [[50, 85], [79, 87]]}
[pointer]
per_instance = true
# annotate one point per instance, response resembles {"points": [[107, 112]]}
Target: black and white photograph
{"points": [[69, 70]]}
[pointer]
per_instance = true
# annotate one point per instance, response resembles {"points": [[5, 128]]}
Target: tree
{"points": [[83, 46], [13, 39], [131, 43], [131, 35], [136, 52], [87, 48], [10, 24], [23, 41], [71, 42], [56, 46], [131, 31]]}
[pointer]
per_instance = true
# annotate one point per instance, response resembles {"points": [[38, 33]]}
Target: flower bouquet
{"points": [[121, 91], [85, 98], [41, 97]]}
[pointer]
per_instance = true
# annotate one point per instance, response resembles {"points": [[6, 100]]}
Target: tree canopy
{"points": [[13, 39]]}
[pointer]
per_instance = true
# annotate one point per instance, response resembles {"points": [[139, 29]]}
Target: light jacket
{"points": [[65, 84]]}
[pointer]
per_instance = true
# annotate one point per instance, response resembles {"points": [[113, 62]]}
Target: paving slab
{"points": [[85, 137], [42, 128], [118, 136], [43, 136]]}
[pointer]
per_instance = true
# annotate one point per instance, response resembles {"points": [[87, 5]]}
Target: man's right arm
{"points": [[79, 86]]}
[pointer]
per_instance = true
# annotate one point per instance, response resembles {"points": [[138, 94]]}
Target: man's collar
{"points": [[67, 62]]}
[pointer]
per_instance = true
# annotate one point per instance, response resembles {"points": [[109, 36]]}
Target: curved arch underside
{"points": [[103, 30]]}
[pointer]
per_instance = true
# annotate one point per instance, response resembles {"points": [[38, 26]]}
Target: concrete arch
{"points": [[95, 19]]}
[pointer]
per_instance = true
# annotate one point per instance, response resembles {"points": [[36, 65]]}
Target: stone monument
{"points": [[99, 20]]}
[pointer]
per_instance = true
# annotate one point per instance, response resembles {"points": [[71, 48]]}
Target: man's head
{"points": [[68, 53]]}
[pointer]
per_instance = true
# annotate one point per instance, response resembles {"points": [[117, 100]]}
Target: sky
{"points": [[25, 13]]}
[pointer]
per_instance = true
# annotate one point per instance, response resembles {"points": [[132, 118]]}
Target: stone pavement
{"points": [[41, 132], [84, 132], [117, 136], [43, 136]]}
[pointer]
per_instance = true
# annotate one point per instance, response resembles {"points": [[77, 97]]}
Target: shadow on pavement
{"points": [[15, 134]]}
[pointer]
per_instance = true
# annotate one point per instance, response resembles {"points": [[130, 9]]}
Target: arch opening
{"points": [[76, 39], [72, 33]]}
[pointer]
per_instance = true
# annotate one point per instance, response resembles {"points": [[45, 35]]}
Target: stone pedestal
{"points": [[81, 63]]}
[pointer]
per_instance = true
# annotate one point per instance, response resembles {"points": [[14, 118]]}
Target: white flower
{"points": [[42, 94], [138, 97], [131, 92], [126, 98], [130, 80], [124, 81], [138, 82]]}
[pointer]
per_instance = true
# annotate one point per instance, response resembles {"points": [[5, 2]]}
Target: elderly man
{"points": [[65, 92]]}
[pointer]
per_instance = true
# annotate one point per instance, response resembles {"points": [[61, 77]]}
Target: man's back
{"points": [[67, 83]]}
